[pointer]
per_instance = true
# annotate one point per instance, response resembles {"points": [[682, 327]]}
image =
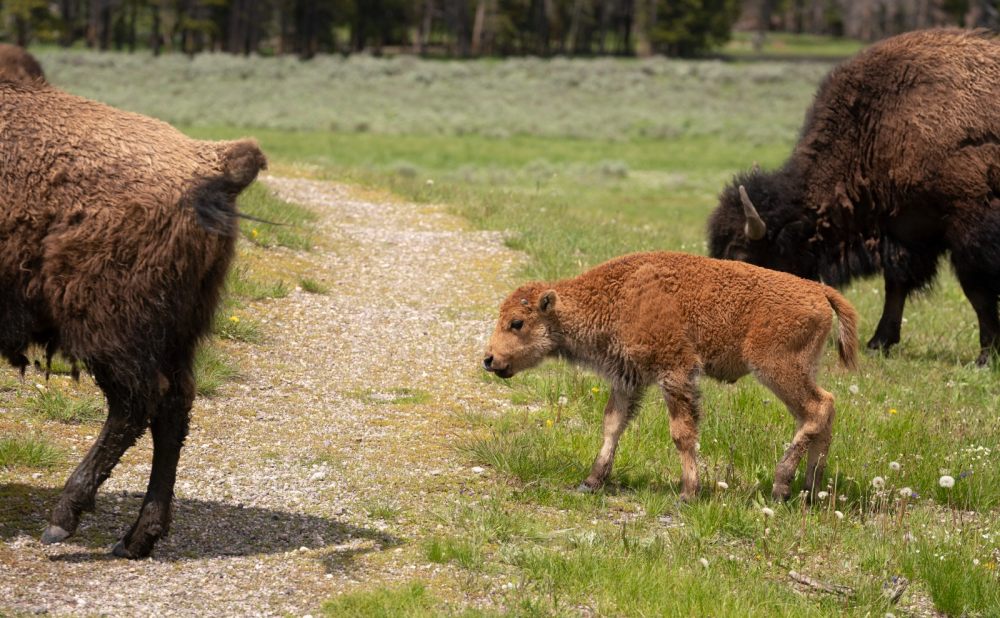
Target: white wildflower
{"points": [[723, 485], [767, 512], [878, 482], [947, 481], [703, 562], [906, 492], [854, 389], [822, 495], [838, 514], [894, 466], [563, 401]]}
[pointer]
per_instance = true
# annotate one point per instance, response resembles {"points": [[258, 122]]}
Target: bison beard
{"points": [[116, 232], [898, 163]]}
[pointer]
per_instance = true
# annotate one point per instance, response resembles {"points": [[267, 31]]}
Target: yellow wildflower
{"points": [[892, 411], [254, 232], [235, 319], [595, 389], [548, 422]]}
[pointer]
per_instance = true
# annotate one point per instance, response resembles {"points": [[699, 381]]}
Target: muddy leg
{"points": [[617, 414], [126, 421], [169, 428], [684, 409]]}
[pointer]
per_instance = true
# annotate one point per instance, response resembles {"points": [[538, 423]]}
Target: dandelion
{"points": [[562, 400], [975, 561], [595, 389], [894, 466], [235, 319], [842, 498], [767, 512], [704, 562], [947, 481], [854, 389], [254, 233], [838, 514], [878, 482], [723, 485], [430, 182], [822, 495], [549, 422], [893, 411], [906, 492]]}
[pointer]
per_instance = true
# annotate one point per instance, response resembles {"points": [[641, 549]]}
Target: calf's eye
{"points": [[516, 324]]}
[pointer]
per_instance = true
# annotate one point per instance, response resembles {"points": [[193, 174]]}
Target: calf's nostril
{"points": [[488, 362]]}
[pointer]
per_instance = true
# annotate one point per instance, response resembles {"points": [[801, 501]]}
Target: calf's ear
{"points": [[547, 301]]}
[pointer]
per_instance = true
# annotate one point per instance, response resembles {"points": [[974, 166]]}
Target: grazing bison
{"points": [[668, 318], [898, 163], [17, 65], [116, 232]]}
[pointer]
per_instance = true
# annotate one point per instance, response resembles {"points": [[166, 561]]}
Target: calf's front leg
{"points": [[617, 414]]}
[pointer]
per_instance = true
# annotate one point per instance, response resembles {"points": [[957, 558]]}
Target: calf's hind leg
{"points": [[169, 427], [813, 410], [681, 395]]}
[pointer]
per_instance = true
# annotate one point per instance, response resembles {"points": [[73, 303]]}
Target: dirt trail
{"points": [[347, 410]]}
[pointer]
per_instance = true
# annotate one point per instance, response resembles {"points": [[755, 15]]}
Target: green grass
{"points": [[243, 282], [313, 286], [52, 404], [28, 451], [283, 223], [778, 44], [409, 601], [232, 326], [211, 370]]}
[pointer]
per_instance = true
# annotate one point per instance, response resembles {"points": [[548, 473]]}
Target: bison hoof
{"points": [[879, 345], [54, 534], [780, 493], [584, 488], [121, 551]]}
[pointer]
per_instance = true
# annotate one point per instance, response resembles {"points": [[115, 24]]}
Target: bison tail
{"points": [[847, 330], [214, 198]]}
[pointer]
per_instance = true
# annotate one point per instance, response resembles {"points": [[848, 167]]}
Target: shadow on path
{"points": [[200, 529]]}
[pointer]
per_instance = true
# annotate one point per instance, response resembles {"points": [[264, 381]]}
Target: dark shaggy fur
{"points": [[17, 65], [898, 163], [116, 232]]}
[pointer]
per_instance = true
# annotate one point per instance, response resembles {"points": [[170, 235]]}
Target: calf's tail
{"points": [[847, 327]]}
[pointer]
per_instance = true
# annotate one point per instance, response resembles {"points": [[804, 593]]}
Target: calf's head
{"points": [[525, 332]]}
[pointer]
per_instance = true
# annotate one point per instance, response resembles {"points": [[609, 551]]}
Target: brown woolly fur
{"points": [[898, 163], [17, 65], [116, 232], [669, 318]]}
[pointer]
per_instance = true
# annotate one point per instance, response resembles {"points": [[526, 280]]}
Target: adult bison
{"points": [[898, 163], [116, 232]]}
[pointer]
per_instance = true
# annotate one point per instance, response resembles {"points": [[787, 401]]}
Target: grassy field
{"points": [[579, 161]]}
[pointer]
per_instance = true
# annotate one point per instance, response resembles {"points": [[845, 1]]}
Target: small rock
{"points": [[478, 469]]}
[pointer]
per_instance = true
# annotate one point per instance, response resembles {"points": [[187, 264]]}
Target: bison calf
{"points": [[116, 232], [668, 318]]}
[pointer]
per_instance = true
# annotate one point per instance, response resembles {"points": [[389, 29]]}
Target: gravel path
{"points": [[347, 411]]}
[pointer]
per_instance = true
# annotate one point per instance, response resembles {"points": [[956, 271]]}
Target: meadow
{"points": [[578, 161]]}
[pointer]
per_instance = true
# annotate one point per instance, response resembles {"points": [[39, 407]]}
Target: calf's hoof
{"points": [[585, 488], [54, 534], [780, 492]]}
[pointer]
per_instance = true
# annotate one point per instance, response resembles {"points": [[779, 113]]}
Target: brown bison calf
{"points": [[116, 232], [668, 318]]}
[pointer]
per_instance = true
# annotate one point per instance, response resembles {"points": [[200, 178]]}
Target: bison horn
{"points": [[755, 228]]}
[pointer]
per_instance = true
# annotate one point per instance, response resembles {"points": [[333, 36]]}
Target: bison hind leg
{"points": [[169, 427]]}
